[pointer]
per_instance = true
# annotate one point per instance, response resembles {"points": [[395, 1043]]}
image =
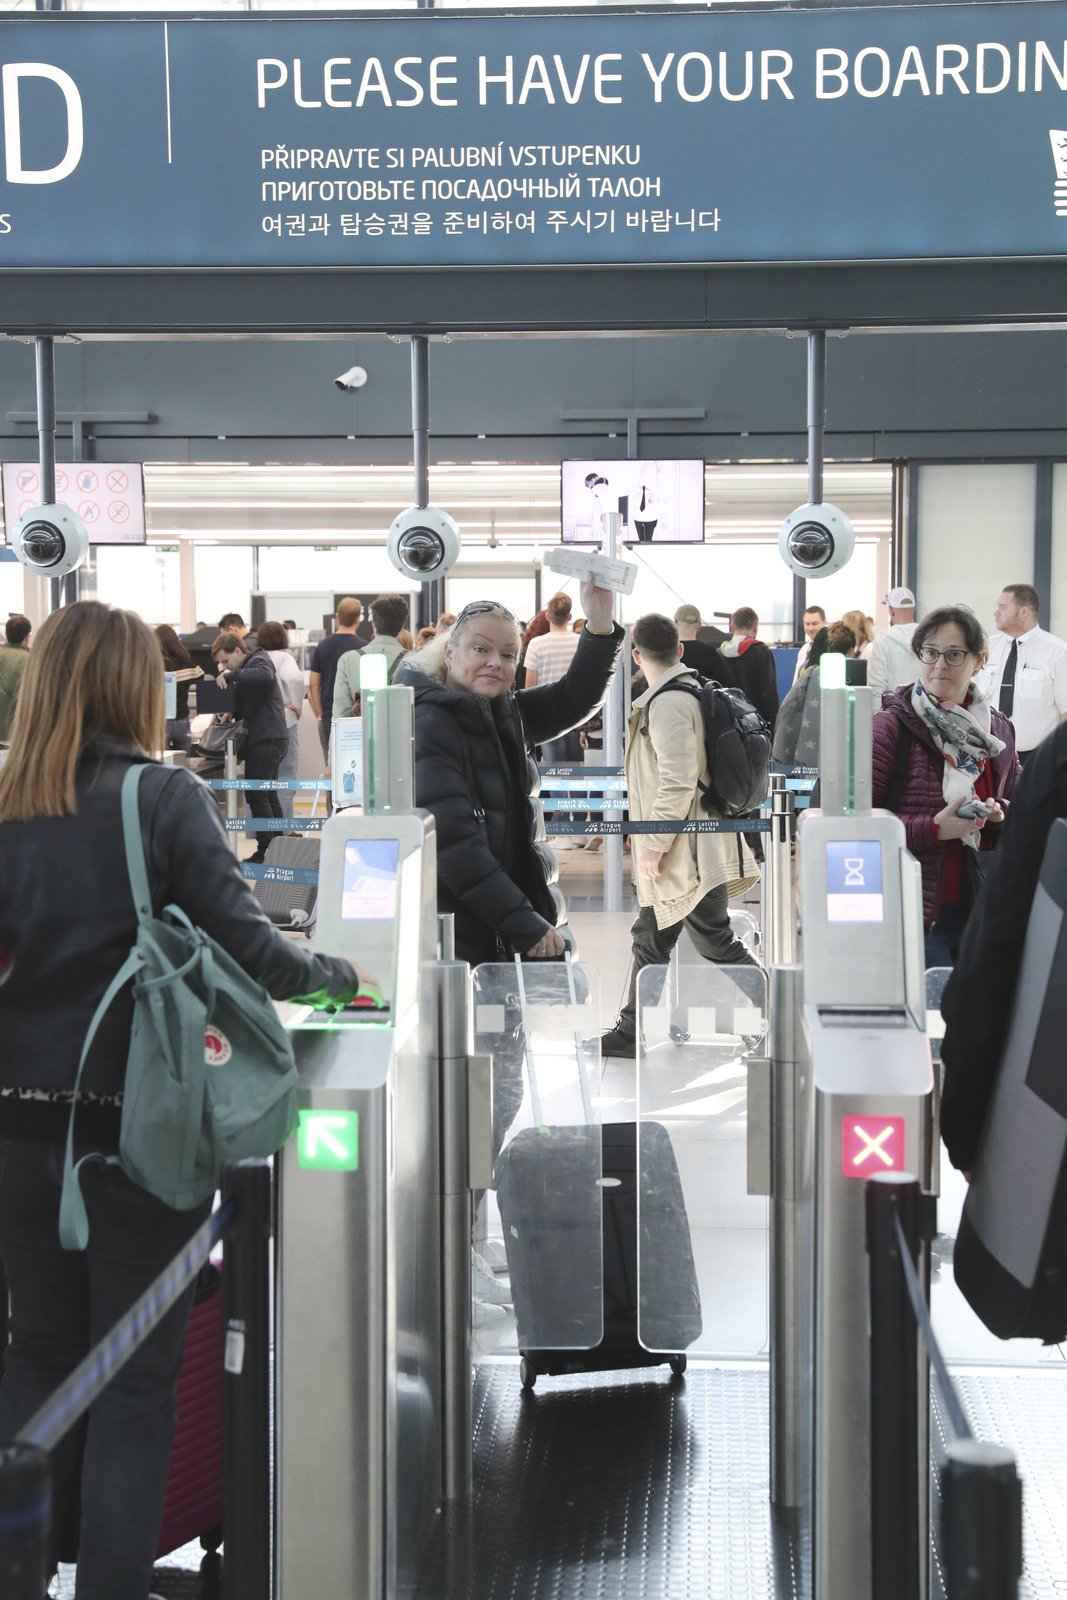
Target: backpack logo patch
{"points": [[217, 1048]]}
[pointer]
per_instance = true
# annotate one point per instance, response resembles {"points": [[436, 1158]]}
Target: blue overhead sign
{"points": [[437, 140]]}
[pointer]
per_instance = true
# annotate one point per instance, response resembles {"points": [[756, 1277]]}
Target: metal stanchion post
{"points": [[792, 1144], [898, 1556], [612, 525], [454, 1054], [981, 1522], [778, 910], [246, 1385], [25, 1521], [233, 796]]}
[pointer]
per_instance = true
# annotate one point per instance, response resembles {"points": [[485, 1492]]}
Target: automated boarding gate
{"points": [[357, 1305], [372, 1361], [864, 1017]]}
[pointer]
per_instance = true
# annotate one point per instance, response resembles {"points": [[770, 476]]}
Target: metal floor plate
{"points": [[617, 1485], [637, 1487]]}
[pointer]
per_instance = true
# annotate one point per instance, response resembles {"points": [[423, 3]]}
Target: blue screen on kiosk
{"points": [[368, 885], [854, 881]]}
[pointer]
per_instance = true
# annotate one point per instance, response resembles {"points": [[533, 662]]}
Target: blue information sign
{"points": [[436, 140]]}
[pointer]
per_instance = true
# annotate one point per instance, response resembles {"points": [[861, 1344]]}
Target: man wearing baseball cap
{"points": [[893, 661], [696, 653]]}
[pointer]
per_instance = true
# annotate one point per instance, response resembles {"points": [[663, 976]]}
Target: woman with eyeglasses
{"points": [[945, 763], [474, 770]]}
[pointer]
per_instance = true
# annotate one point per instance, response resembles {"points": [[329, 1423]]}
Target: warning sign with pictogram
{"points": [[109, 500], [871, 1144]]}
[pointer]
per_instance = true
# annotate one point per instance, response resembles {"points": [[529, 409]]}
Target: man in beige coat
{"points": [[683, 879]]}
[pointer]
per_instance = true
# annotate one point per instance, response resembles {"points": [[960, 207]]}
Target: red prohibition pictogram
{"points": [[872, 1144]]}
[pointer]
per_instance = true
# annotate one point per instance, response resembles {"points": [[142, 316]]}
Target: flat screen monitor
{"points": [[368, 883], [660, 502], [108, 496], [854, 881]]}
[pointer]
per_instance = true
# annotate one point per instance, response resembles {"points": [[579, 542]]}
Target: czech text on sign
{"points": [[872, 1144], [878, 133], [328, 1141]]}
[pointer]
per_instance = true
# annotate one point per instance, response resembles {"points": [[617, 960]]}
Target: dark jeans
{"points": [[112, 1467], [709, 929], [262, 761], [944, 937]]}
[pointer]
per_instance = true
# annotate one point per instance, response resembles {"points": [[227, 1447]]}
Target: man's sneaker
{"points": [[487, 1289], [618, 1043], [494, 1254], [679, 1035]]}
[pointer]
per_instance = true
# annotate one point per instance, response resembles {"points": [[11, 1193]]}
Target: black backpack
{"points": [[737, 746]]}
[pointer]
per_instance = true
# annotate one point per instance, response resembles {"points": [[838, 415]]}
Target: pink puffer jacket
{"points": [[923, 796]]}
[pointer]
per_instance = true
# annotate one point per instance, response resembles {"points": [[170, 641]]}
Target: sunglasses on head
{"points": [[483, 608]]}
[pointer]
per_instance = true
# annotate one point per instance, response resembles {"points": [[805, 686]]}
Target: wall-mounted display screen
{"points": [[660, 502], [368, 884], [108, 496], [854, 881]]}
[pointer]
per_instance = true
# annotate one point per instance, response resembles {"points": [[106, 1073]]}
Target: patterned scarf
{"points": [[962, 734]]}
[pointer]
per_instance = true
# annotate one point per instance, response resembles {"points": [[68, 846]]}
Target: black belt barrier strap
{"points": [[960, 1426], [88, 1380]]}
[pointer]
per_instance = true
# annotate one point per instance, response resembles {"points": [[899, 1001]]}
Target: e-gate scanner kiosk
{"points": [[865, 1017], [358, 1281]]}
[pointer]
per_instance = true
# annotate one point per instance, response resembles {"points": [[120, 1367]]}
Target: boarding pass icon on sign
{"points": [[1058, 139]]}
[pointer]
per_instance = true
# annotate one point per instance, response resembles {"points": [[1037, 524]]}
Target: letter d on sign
{"points": [[15, 172]]}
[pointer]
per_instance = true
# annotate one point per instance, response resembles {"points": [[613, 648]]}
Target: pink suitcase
{"points": [[193, 1506]]}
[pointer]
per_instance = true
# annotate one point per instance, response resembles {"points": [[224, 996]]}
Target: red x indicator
{"points": [[871, 1144]]}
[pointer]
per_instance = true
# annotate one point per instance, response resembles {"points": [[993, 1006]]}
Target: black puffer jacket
{"points": [[474, 771], [67, 923], [257, 699]]}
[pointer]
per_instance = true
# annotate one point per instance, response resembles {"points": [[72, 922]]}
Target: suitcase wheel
{"points": [[677, 1365], [528, 1374]]}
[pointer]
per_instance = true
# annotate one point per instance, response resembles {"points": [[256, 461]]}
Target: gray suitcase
{"points": [[289, 903]]}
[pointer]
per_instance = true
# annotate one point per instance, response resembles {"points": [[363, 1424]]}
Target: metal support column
{"points": [[816, 447], [792, 1143], [233, 796], [432, 593], [460, 1101], [778, 911], [612, 525], [246, 1574], [46, 444]]}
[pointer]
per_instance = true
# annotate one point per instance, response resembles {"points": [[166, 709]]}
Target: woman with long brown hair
{"points": [[90, 707], [180, 663]]}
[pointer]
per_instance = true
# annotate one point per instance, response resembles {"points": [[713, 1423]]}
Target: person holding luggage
{"points": [[944, 761], [796, 732], [257, 702], [92, 706], [683, 879]]}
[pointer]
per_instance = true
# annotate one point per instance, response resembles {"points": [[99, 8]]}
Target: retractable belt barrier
{"points": [[244, 1219], [980, 1540]]}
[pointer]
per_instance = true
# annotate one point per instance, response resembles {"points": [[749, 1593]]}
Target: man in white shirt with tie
{"points": [[1026, 674]]}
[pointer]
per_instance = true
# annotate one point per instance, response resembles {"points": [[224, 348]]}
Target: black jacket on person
{"points": [[978, 998], [67, 923], [475, 773], [750, 667], [257, 699]]}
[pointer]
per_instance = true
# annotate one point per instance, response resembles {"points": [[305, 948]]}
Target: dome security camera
{"points": [[354, 378], [423, 543], [815, 541], [50, 540]]}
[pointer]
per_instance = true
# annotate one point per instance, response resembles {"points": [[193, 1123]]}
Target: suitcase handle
{"points": [[579, 1049]]}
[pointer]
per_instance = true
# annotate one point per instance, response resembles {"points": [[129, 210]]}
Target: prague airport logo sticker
{"points": [[217, 1048], [1058, 137]]}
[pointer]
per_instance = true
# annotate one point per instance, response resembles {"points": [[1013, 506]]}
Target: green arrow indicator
{"points": [[328, 1141]]}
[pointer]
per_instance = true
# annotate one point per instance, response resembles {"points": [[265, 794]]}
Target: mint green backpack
{"points": [[210, 1076]]}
